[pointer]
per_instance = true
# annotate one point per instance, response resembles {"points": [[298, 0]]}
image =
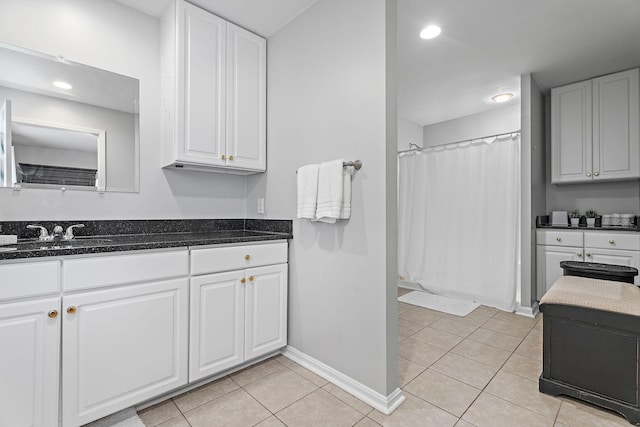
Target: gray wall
{"points": [[408, 132], [496, 121], [108, 35], [532, 182], [328, 90]]}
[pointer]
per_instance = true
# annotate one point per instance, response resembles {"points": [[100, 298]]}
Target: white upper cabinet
{"points": [[214, 93], [595, 129]]}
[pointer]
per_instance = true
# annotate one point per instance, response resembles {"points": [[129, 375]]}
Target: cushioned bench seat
{"points": [[591, 342]]}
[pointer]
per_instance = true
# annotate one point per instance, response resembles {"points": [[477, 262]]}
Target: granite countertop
{"points": [[141, 235], [633, 228]]}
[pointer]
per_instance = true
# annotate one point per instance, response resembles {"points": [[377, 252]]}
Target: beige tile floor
{"points": [[479, 370]]}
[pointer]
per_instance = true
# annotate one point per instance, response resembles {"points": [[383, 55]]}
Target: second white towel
{"points": [[330, 191]]}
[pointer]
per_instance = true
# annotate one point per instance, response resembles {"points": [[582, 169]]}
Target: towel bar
{"points": [[357, 164]]}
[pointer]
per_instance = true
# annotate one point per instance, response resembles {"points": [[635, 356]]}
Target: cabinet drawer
{"points": [[612, 241], [559, 238], [108, 270], [213, 260], [27, 279]]}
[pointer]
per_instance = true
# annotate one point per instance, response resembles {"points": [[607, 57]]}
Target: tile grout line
{"points": [[492, 377]]}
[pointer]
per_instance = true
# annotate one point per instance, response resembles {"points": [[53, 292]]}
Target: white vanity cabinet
{"points": [[595, 128], [125, 331], [29, 349], [213, 93], [238, 305], [554, 246]]}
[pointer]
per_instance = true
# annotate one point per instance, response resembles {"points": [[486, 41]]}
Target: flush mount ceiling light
{"points": [[502, 97], [430, 32], [62, 85]]}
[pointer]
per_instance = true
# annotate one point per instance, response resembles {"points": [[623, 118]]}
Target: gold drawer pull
{"points": [[230, 157], [251, 278], [558, 239], [247, 257], [71, 310], [612, 241], [579, 254], [224, 157], [243, 280], [588, 254], [53, 314]]}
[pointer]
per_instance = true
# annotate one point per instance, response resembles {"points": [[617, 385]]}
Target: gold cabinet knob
{"points": [[230, 157], [53, 314], [611, 242], [579, 254], [588, 173], [596, 173], [243, 280], [588, 254], [224, 157], [247, 257], [71, 310], [251, 278], [558, 239]]}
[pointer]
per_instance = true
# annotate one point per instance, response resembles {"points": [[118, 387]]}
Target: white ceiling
{"points": [[486, 45], [484, 48]]}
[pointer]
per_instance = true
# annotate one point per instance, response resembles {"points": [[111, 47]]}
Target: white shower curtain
{"points": [[459, 216]]}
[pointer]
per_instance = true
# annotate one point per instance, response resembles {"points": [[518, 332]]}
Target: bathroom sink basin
{"points": [[62, 244]]}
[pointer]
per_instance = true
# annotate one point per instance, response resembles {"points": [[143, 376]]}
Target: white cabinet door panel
{"points": [[29, 363], [571, 146], [246, 99], [616, 146], [266, 310], [548, 265], [202, 84], [618, 257], [122, 346], [216, 323]]}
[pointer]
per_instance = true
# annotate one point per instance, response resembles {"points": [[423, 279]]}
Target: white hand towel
{"points": [[307, 191], [330, 188], [345, 211]]}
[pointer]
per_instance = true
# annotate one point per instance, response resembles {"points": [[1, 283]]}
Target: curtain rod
{"points": [[456, 142]]}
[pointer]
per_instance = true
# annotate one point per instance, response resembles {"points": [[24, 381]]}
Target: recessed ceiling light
{"points": [[502, 97], [62, 85], [430, 32]]}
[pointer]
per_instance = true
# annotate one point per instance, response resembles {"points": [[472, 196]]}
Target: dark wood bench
{"points": [[591, 343]]}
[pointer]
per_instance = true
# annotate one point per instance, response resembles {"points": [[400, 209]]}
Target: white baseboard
{"points": [[384, 404], [528, 311]]}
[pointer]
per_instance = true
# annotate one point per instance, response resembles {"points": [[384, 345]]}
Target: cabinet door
{"points": [[548, 265], [613, 256], [246, 99], [216, 323], [571, 146], [201, 87], [266, 310], [29, 363], [121, 346], [616, 145]]}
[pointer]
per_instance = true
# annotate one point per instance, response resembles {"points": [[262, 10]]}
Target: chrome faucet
{"points": [[68, 235], [56, 234], [44, 234]]}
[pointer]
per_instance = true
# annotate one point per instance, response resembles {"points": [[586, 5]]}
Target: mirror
{"points": [[66, 125]]}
